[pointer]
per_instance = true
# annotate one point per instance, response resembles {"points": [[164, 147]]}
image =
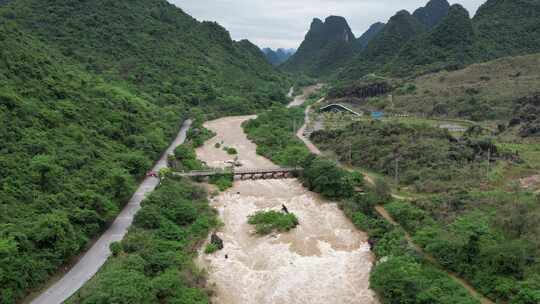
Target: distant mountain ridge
{"points": [[335, 38], [278, 56], [436, 36], [326, 45], [431, 14]]}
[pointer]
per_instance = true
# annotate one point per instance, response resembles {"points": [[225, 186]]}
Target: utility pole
{"points": [[350, 153], [396, 170], [488, 161]]}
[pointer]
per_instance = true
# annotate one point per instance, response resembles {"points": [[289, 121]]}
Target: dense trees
{"points": [[274, 132], [154, 262], [417, 154], [479, 237]]}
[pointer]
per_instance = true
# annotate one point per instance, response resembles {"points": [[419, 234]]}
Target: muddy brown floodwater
{"points": [[324, 260]]}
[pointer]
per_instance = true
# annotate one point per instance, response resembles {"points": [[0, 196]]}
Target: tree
{"points": [[54, 230], [119, 184], [45, 172]]}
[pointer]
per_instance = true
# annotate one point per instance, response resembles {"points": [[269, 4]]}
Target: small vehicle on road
{"points": [[152, 174]]}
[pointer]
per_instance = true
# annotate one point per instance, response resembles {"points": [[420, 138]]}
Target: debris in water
{"points": [[216, 240]]}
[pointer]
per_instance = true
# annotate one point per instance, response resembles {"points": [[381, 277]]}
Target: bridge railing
{"points": [[267, 170]]}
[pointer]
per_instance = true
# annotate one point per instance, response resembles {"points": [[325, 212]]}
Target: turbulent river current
{"points": [[323, 260]]}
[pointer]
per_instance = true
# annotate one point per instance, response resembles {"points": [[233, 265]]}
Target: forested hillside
{"points": [[363, 41], [448, 46], [400, 29], [508, 28], [156, 48], [422, 156], [91, 92], [500, 28]]}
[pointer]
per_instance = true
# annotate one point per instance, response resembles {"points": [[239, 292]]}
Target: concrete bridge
{"points": [[244, 174]]}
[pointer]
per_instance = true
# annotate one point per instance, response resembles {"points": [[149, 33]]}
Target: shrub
{"points": [[230, 151], [116, 248], [211, 248], [266, 222], [223, 182]]}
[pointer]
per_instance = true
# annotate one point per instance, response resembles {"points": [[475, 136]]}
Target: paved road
{"points": [[94, 258]]}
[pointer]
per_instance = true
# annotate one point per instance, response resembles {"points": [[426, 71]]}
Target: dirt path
{"points": [[300, 99], [325, 259], [98, 254], [305, 139]]}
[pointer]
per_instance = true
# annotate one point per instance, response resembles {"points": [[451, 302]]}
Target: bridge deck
{"points": [[249, 171]]}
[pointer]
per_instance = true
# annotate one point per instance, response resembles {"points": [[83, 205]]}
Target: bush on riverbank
{"points": [[223, 182], [197, 135], [269, 221], [153, 264], [211, 248], [185, 159]]}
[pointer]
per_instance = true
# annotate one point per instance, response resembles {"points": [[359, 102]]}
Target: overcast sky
{"points": [[284, 23]]}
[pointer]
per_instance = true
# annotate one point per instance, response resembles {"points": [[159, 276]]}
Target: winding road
{"points": [[98, 254]]}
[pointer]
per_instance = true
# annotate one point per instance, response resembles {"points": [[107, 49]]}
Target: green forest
{"points": [[91, 93], [154, 262]]}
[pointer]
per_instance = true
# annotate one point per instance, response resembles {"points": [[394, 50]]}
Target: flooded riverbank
{"points": [[325, 259]]}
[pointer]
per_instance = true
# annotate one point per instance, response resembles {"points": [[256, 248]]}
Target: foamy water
{"points": [[324, 260]]}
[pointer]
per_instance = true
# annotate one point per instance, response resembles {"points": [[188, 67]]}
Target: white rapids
{"points": [[324, 260]]}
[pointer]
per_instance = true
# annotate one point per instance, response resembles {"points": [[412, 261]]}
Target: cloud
{"points": [[284, 23]]}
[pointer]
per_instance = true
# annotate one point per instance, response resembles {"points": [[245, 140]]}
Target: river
{"points": [[324, 260]]}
